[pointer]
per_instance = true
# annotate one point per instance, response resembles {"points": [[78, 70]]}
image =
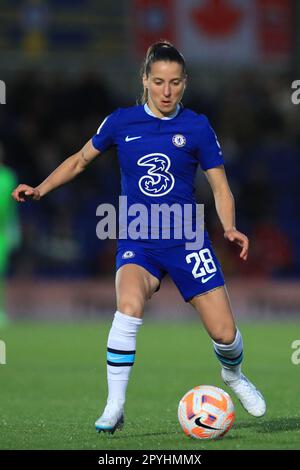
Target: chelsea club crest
{"points": [[128, 254], [179, 140]]}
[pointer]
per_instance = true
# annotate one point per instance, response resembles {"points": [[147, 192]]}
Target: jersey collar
{"points": [[166, 118]]}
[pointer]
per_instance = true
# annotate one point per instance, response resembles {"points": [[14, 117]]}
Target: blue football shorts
{"points": [[194, 272]]}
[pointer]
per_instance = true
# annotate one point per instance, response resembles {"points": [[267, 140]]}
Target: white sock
{"points": [[230, 356], [121, 346]]}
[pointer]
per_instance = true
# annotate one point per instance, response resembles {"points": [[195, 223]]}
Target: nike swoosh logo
{"points": [[128, 139], [119, 358], [207, 278], [198, 422]]}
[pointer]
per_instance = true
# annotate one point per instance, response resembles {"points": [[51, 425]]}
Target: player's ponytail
{"points": [[162, 50]]}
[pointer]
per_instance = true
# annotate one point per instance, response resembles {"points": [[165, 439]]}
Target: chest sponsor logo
{"points": [[158, 180]]}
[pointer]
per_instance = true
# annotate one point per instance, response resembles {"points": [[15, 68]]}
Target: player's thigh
{"points": [[216, 314], [134, 286]]}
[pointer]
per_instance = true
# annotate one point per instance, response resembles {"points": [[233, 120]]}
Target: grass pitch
{"points": [[53, 387]]}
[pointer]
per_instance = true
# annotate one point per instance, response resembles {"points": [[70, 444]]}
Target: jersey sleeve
{"points": [[106, 132], [209, 152]]}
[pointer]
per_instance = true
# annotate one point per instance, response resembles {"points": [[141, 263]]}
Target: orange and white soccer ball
{"points": [[206, 412]]}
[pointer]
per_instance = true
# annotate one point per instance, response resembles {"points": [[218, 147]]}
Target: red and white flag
{"points": [[241, 32], [153, 20]]}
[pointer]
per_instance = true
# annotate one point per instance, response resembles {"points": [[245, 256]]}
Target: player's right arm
{"points": [[65, 172]]}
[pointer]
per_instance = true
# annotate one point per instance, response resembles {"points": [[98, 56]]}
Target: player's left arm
{"points": [[225, 207]]}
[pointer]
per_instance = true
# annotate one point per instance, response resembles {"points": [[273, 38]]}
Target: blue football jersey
{"points": [[158, 159]]}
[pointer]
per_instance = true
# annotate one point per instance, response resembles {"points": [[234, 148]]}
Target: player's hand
{"points": [[24, 192], [240, 239]]}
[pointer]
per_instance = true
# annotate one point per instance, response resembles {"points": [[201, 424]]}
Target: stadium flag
{"points": [[152, 20], [237, 32], [274, 29]]}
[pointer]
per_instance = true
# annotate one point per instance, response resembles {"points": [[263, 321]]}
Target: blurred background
{"points": [[66, 64]]}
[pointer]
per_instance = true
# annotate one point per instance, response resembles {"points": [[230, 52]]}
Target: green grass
{"points": [[53, 387]]}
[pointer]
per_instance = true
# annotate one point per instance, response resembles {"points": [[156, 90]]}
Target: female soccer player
{"points": [[160, 144]]}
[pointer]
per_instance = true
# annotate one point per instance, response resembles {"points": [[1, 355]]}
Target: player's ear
{"points": [[185, 81], [145, 81]]}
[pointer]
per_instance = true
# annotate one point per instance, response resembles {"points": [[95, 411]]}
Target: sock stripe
{"points": [[119, 351], [230, 361], [116, 357], [123, 364], [229, 358]]}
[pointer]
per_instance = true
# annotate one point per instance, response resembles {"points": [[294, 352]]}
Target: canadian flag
{"points": [[217, 30], [213, 31]]}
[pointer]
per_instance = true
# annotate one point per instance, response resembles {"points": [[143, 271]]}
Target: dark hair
{"points": [[162, 50]]}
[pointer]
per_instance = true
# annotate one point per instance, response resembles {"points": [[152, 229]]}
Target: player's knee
{"points": [[224, 336], [132, 307]]}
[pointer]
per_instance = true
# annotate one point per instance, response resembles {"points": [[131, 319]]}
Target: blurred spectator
{"points": [[9, 227]]}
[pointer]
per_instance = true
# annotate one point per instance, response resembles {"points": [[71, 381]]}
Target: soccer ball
{"points": [[206, 412]]}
